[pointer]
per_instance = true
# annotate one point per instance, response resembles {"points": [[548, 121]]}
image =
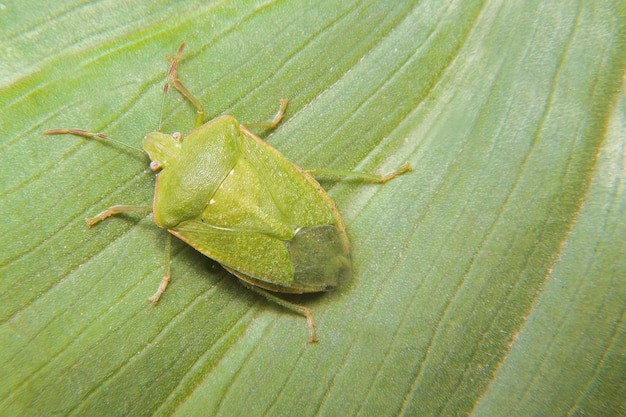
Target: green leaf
{"points": [[489, 281]]}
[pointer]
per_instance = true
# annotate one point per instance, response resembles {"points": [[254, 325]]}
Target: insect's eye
{"points": [[155, 165]]}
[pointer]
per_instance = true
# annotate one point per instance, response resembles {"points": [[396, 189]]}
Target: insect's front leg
{"points": [[115, 210], [172, 76], [271, 124]]}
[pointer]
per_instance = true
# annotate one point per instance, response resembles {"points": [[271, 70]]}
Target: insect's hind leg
{"points": [[363, 176], [296, 308]]}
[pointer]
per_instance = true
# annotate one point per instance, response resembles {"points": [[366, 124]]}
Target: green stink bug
{"points": [[237, 200]]}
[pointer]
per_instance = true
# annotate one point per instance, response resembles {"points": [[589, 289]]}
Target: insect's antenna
{"points": [[170, 77], [87, 134]]}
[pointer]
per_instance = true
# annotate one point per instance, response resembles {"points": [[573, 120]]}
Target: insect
{"points": [[237, 200]]}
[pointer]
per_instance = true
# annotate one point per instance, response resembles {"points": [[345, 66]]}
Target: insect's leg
{"points": [[115, 210], [362, 175], [166, 271], [172, 76], [296, 308], [271, 124]]}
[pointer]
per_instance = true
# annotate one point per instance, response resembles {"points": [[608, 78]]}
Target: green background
{"points": [[489, 281]]}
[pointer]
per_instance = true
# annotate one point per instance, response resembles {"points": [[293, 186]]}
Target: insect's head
{"points": [[161, 148]]}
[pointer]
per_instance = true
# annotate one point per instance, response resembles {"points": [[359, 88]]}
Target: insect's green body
{"points": [[240, 202]]}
